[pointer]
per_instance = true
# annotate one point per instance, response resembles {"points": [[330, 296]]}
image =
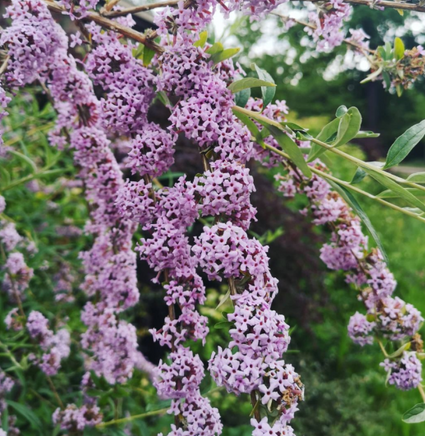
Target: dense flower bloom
{"points": [[75, 418], [404, 373], [112, 341], [359, 329], [226, 190]]}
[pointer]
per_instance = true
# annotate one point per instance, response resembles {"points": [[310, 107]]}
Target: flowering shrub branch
{"points": [[103, 105]]}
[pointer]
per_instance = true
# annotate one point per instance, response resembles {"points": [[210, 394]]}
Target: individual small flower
{"points": [[75, 39]]}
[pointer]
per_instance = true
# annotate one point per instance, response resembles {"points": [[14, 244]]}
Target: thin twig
{"points": [[111, 4], [134, 10], [313, 27], [111, 25], [55, 392], [382, 3]]}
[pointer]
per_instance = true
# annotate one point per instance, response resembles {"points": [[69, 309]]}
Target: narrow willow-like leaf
{"points": [[352, 202], [395, 187], [372, 76], [28, 414], [24, 158], [367, 134], [202, 39], [391, 194], [148, 55], [325, 135], [215, 48], [291, 148], [404, 144], [359, 175], [223, 55], [251, 126], [248, 82], [415, 415], [242, 97], [267, 92], [417, 178], [398, 48], [349, 126]]}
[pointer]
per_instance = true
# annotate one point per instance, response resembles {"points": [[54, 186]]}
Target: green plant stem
{"points": [[132, 418], [10, 355], [366, 165], [351, 187], [41, 173], [421, 391], [55, 392], [381, 346], [346, 156], [337, 151]]}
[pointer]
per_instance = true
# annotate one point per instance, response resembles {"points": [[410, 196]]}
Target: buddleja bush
{"points": [[117, 155]]}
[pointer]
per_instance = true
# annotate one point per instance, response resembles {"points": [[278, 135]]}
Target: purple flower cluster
{"points": [[38, 51], [75, 419], [17, 274], [56, 346], [404, 373], [126, 82], [225, 190], [113, 343], [387, 317], [6, 385], [328, 22]]}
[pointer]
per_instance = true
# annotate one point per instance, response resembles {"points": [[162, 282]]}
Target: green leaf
{"points": [[373, 75], [267, 92], [251, 126], [404, 144], [367, 134], [148, 55], [291, 148], [28, 414], [325, 134], [248, 82], [352, 202], [387, 79], [417, 178], [138, 51], [388, 51], [359, 175], [223, 325], [223, 300], [349, 126], [390, 184], [398, 48], [342, 110], [391, 194], [415, 415], [25, 159], [202, 39], [242, 97], [223, 55], [215, 48], [381, 51], [295, 127]]}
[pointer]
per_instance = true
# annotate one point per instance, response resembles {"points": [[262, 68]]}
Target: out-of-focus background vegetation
{"points": [[346, 393]]}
